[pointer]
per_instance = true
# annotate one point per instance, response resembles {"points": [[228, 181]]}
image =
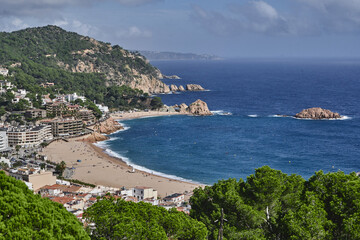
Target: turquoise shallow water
{"points": [[206, 149]]}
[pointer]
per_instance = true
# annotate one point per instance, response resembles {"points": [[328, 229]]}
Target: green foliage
{"points": [[274, 205], [25, 215], [92, 106], [60, 168], [156, 103], [127, 220], [48, 53]]}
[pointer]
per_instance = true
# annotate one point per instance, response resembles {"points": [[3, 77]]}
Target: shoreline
{"points": [[142, 114], [100, 168]]}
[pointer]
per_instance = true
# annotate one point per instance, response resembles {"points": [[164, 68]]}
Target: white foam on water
{"points": [[221, 112], [253, 115], [329, 119]]}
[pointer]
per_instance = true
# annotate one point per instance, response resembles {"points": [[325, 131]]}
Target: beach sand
{"points": [[99, 168], [133, 115]]}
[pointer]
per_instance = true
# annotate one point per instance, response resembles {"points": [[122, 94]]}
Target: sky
{"points": [[226, 28]]}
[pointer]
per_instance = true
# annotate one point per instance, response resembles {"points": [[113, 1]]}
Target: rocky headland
{"points": [[194, 87], [170, 77], [94, 137], [108, 126], [317, 113]]}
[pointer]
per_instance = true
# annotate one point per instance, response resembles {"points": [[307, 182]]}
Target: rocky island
{"points": [[317, 113], [197, 108]]}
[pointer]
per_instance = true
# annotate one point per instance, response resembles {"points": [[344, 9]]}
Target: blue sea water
{"points": [[207, 149]]}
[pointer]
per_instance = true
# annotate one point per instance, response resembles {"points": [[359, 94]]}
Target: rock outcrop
{"points": [[194, 87], [181, 88], [182, 108], [171, 77], [199, 108], [174, 88], [94, 137], [317, 113], [108, 126]]}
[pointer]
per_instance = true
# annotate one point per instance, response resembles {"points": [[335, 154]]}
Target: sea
{"points": [[245, 132]]}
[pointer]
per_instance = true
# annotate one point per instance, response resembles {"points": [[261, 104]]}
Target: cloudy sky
{"points": [[228, 28]]}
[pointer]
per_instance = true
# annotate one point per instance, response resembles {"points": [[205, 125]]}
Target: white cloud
{"points": [[253, 16], [134, 32], [303, 17]]}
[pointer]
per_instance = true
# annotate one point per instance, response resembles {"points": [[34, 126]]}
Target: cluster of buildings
{"points": [[39, 176], [66, 119]]}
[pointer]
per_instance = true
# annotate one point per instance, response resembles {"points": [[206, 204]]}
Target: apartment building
{"points": [[28, 136], [66, 127], [35, 113]]}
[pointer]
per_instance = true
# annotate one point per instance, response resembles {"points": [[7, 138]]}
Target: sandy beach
{"points": [[133, 115], [99, 168]]}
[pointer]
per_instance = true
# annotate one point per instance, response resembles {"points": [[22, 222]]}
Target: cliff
{"points": [[317, 113]]}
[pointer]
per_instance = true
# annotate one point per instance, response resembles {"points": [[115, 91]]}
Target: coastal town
{"points": [[51, 149]]}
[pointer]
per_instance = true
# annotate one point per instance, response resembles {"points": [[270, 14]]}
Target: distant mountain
{"points": [[153, 55]]}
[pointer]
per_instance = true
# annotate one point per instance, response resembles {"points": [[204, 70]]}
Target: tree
{"points": [[274, 205], [156, 103], [60, 168], [128, 220], [25, 215]]}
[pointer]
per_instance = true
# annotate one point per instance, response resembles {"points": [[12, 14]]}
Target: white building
{"points": [[4, 142], [176, 198], [4, 85], [29, 136], [4, 71], [73, 97], [103, 108], [142, 193]]}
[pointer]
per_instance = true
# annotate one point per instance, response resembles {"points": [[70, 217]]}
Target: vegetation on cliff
{"points": [[76, 63], [25, 215]]}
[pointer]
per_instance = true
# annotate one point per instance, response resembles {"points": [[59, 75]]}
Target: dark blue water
{"points": [[206, 149]]}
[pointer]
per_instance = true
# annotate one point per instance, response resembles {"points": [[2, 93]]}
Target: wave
{"points": [[329, 119], [221, 112], [277, 116], [141, 168], [253, 115]]}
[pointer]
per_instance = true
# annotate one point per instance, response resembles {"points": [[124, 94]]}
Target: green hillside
{"points": [[79, 64]]}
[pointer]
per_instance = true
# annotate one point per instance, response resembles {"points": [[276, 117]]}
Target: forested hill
{"points": [[51, 54]]}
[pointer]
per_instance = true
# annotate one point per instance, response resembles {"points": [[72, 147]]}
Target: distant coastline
{"points": [[154, 55]]}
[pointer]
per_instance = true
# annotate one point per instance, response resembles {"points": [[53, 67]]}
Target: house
{"points": [[142, 193], [4, 71], [37, 178], [176, 198]]}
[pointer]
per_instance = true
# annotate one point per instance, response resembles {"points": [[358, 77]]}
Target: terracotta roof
{"points": [[62, 200], [72, 189]]}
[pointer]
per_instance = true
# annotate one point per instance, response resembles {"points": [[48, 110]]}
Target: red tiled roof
{"points": [[62, 200]]}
